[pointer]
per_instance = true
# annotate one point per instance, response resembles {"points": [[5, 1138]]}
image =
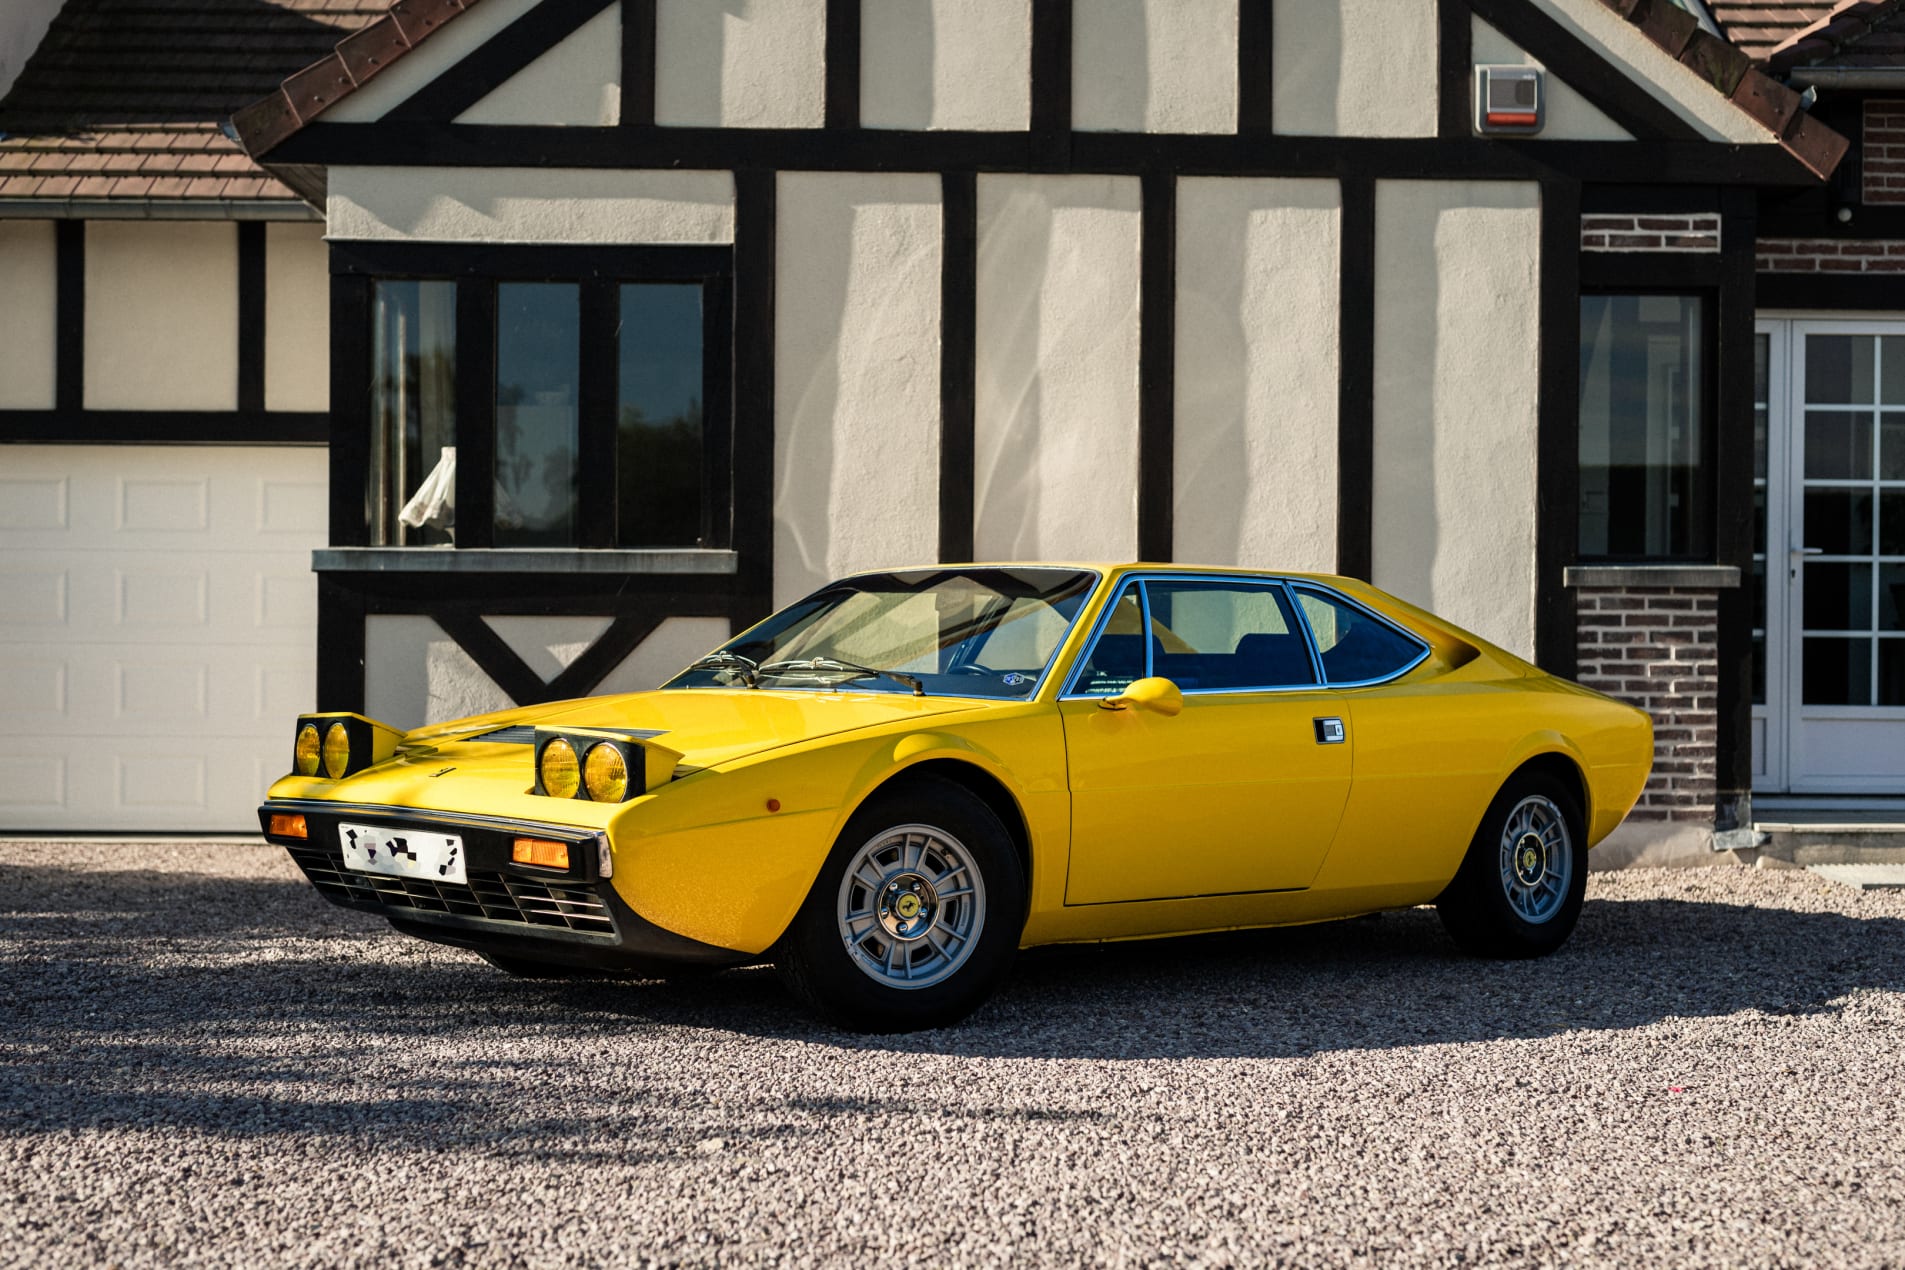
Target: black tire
{"points": [[1509, 900], [829, 970]]}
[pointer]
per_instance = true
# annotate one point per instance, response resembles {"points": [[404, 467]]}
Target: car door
{"points": [[1242, 790]]}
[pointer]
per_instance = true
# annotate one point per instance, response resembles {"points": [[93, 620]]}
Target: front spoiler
{"points": [[569, 917]]}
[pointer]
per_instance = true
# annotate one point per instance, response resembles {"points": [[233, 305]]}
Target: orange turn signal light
{"points": [[289, 826], [551, 855]]}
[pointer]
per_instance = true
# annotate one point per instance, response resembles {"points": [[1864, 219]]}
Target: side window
{"points": [[1355, 646], [1235, 635], [1117, 659]]}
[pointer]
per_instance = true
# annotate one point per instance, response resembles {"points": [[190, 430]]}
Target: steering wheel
{"points": [[974, 668]]}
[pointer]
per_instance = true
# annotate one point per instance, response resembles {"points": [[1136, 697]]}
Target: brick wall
{"points": [[1699, 232], [1883, 153], [1829, 255], [1657, 648]]}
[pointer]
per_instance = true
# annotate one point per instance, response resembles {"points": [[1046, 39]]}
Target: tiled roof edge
{"points": [[358, 58], [1849, 22], [1770, 103]]}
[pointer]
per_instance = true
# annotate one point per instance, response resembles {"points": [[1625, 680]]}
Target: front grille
{"points": [[498, 897]]}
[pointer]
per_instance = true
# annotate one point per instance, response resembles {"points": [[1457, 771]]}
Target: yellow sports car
{"points": [[888, 787]]}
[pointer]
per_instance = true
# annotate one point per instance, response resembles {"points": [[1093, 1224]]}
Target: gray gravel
{"points": [[202, 1063]]}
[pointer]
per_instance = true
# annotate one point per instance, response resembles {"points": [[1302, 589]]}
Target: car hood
{"points": [[706, 726]]}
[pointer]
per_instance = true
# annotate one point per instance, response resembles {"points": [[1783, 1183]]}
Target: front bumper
{"points": [[568, 917]]}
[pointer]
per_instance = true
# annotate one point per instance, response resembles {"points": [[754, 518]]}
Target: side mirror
{"points": [[1159, 696]]}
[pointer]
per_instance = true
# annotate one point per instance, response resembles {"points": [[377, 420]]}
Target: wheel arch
{"points": [[981, 784], [1563, 768]]}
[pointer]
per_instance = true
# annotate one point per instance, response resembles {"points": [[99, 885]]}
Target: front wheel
{"points": [[1522, 884], [915, 915]]}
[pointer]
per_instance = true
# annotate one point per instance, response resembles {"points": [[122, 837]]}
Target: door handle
{"points": [[1809, 551], [1330, 732]]}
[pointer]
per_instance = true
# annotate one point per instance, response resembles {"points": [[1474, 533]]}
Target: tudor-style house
{"points": [[645, 316]]}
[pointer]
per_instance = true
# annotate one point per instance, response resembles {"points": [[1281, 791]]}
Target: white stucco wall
{"points": [[1568, 115], [577, 82], [531, 205], [548, 643], [741, 63], [161, 315], [1354, 68], [1056, 426], [1257, 368], [415, 674], [964, 64], [29, 303], [297, 318], [661, 656], [1154, 65], [1458, 283], [856, 368], [1677, 86], [444, 49]]}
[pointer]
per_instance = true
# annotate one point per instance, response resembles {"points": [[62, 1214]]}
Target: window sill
{"points": [[1711, 577], [521, 560]]}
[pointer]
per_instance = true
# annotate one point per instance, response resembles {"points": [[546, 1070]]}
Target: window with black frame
{"points": [[587, 399], [1646, 468]]}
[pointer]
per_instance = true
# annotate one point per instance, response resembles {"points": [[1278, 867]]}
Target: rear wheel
{"points": [[1521, 886], [915, 915]]}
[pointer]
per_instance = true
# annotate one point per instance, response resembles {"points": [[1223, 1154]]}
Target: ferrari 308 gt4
{"points": [[890, 786]]}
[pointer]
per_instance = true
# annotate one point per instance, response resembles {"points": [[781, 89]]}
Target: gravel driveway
{"points": [[205, 1064]]}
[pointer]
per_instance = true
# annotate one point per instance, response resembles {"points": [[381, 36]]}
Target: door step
{"points": [[1864, 877], [1876, 840]]}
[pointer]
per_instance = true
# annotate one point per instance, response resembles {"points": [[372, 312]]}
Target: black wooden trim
{"points": [[1356, 382], [1872, 292], [340, 646], [1157, 355], [1051, 82], [1557, 425], [1868, 221], [1620, 200], [843, 64], [597, 407], [531, 262], [754, 299], [958, 361], [491, 64], [69, 321], [611, 648], [1455, 61], [1256, 36], [1733, 501], [251, 315], [884, 150], [1649, 270], [638, 63], [351, 373], [475, 413], [166, 427], [1608, 87], [492, 654]]}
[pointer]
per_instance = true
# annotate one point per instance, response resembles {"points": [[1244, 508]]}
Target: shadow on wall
{"points": [[116, 980], [1121, 68], [1404, 488], [1307, 89], [1013, 265]]}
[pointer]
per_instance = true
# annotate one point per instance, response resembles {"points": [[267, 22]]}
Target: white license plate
{"points": [[403, 853]]}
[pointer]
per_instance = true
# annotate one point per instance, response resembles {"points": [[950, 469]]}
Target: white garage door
{"points": [[158, 628]]}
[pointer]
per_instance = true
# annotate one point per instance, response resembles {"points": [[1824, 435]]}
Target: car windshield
{"points": [[935, 632]]}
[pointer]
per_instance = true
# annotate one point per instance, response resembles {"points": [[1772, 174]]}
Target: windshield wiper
{"points": [[748, 669], [834, 663]]}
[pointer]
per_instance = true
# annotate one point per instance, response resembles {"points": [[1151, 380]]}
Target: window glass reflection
{"points": [[538, 341], [413, 411], [660, 428]]}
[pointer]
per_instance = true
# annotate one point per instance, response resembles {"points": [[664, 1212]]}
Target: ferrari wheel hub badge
{"points": [[907, 906], [1528, 860]]}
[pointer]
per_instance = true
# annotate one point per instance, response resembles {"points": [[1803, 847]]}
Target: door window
{"points": [[1356, 646], [1852, 517], [1234, 636]]}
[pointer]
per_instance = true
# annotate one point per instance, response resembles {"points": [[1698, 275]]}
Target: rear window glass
{"points": [[1356, 646]]}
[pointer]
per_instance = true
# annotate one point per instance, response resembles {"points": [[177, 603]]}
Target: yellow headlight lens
{"points": [[606, 774], [305, 756], [561, 774], [337, 750]]}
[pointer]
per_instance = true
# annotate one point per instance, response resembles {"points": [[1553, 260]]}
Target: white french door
{"points": [[1829, 637]]}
